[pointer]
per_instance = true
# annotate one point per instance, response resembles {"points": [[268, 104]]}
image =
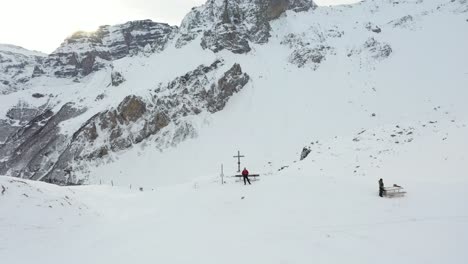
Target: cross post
{"points": [[238, 160]]}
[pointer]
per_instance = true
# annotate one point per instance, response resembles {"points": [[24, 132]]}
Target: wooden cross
{"points": [[238, 160]]}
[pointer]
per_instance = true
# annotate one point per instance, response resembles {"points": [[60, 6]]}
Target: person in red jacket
{"points": [[245, 175]]}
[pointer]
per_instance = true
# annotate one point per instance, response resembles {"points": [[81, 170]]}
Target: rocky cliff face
{"points": [[16, 117], [32, 149], [31, 142], [231, 25], [34, 143], [39, 151], [83, 52], [16, 67], [223, 24]]}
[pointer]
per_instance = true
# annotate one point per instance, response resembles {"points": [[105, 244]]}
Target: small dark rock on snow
{"points": [[37, 95], [305, 152]]}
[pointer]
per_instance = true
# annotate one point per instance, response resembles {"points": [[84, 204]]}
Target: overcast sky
{"points": [[43, 24]]}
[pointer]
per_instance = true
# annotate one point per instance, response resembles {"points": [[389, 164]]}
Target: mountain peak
{"points": [[20, 50], [85, 52], [231, 25]]}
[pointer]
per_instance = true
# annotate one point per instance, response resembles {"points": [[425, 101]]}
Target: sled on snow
{"points": [[394, 191]]}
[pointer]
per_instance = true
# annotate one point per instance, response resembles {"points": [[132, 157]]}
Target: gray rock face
{"points": [[23, 113], [373, 28], [37, 150], [373, 49], [378, 49], [223, 24], [23, 134], [31, 141], [6, 129], [305, 152], [231, 25], [136, 119], [33, 150], [84, 53], [16, 67], [19, 115], [232, 82], [403, 21], [461, 6], [312, 56], [190, 95], [113, 130], [225, 36], [117, 78], [312, 50], [37, 95]]}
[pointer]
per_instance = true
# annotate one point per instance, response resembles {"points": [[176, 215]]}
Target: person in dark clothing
{"points": [[381, 188], [245, 175]]}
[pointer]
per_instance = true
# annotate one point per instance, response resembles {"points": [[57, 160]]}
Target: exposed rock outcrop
{"points": [[372, 51], [117, 78], [313, 56], [16, 117], [305, 152], [22, 113], [378, 50], [402, 22], [312, 50], [39, 151], [373, 28], [16, 67], [83, 52], [59, 145], [231, 25], [231, 82], [33, 150], [6, 129]]}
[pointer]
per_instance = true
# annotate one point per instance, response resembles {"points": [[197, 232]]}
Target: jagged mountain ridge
{"points": [[43, 144], [225, 25], [232, 25], [47, 152], [16, 66], [83, 52]]}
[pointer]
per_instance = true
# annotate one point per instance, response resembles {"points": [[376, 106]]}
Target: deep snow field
{"points": [[316, 211], [403, 119]]}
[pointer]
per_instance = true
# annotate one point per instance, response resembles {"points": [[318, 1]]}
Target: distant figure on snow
{"points": [[381, 188], [245, 175]]}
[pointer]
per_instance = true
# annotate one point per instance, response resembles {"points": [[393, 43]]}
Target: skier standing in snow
{"points": [[245, 175], [381, 188]]}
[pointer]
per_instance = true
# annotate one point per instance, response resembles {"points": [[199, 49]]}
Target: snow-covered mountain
{"points": [[321, 101], [314, 211], [149, 102], [16, 67]]}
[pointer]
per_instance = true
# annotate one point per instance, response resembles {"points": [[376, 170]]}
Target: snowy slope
{"points": [[372, 58], [19, 50], [284, 107], [374, 90], [314, 211]]}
